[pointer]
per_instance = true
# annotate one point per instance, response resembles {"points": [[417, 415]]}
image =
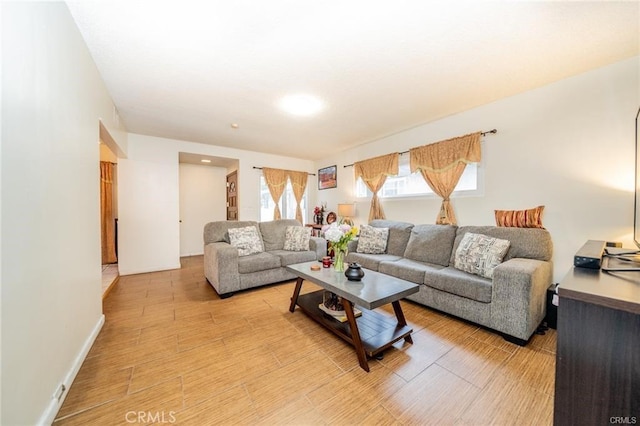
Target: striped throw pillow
{"points": [[531, 218]]}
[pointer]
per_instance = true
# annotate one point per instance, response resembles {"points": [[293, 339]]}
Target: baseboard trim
{"points": [[52, 409]]}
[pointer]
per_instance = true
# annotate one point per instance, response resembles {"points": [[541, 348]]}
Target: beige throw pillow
{"points": [[297, 238], [479, 254], [372, 240], [246, 240]]}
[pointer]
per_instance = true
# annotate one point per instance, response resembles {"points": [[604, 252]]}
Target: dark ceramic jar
{"points": [[354, 272]]}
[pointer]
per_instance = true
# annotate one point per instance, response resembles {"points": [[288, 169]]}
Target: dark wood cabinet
{"points": [[598, 353]]}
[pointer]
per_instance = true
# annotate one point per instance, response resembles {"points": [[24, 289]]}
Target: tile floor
{"points": [[172, 351]]}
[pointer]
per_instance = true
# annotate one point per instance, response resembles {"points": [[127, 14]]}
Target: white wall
{"points": [[52, 98], [148, 197], [568, 146], [203, 197]]}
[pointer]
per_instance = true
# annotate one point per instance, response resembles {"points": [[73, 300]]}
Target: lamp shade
{"points": [[346, 210]]}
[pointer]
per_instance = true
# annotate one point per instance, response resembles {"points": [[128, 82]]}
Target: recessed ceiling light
{"points": [[204, 160], [301, 104], [234, 125]]}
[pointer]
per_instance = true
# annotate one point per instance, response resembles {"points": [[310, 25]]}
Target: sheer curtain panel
{"points": [[373, 173], [299, 185], [441, 165], [276, 180]]}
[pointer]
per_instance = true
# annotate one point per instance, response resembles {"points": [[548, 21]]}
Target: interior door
{"points": [[232, 196]]}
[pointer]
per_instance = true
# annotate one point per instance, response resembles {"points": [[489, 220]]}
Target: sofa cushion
{"points": [[399, 233], [258, 262], [460, 283], [408, 269], [479, 254], [291, 257], [431, 244], [528, 243], [372, 240], [371, 261], [247, 240], [530, 218], [219, 231], [273, 233], [297, 238]]}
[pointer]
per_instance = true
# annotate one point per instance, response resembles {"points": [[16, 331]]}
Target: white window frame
{"points": [[287, 202], [465, 187]]}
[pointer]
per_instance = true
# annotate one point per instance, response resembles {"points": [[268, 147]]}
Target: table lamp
{"points": [[346, 212]]}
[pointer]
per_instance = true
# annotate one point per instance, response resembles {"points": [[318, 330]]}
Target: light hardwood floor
{"points": [[110, 276], [172, 351]]}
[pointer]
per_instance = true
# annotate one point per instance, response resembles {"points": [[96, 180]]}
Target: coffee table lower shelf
{"points": [[377, 332]]}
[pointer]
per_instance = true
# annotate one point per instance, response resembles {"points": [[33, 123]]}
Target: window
{"points": [[407, 184], [287, 202]]}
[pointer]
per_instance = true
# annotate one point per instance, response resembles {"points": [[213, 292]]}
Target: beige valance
{"points": [[443, 155], [374, 168]]}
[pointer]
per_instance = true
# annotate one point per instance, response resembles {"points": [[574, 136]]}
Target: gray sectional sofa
{"points": [[513, 302], [228, 272]]}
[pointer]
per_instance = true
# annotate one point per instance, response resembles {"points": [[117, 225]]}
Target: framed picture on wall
{"points": [[328, 177]]}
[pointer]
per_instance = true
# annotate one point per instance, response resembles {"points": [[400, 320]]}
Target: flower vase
{"points": [[338, 259]]}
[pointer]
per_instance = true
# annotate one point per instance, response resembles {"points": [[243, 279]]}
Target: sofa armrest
{"points": [[319, 245], [221, 267], [518, 301]]}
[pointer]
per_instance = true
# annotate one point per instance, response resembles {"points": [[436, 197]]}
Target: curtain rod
{"points": [[406, 152], [260, 168]]}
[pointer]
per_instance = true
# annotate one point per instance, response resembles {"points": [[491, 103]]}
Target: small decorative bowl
{"points": [[354, 272]]}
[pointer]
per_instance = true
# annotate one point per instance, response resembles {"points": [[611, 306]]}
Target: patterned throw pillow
{"points": [[479, 254], [530, 218], [372, 240], [246, 240], [296, 238]]}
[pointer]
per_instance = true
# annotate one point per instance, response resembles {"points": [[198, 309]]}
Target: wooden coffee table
{"points": [[371, 333]]}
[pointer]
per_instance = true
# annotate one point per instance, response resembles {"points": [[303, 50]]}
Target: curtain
{"points": [[276, 180], [106, 213], [299, 184], [441, 165], [374, 172]]}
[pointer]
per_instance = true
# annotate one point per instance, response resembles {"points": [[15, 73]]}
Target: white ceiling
{"points": [[189, 69]]}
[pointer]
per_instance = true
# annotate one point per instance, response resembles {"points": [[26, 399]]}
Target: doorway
{"points": [[232, 196], [108, 217], [201, 201], [202, 193]]}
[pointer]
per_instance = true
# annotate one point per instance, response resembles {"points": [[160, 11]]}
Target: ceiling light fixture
{"points": [[234, 125], [204, 160], [301, 104]]}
